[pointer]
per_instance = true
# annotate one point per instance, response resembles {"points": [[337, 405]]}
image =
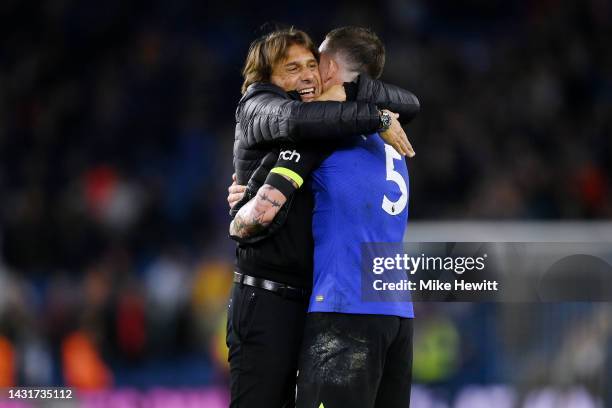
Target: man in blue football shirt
{"points": [[354, 353]]}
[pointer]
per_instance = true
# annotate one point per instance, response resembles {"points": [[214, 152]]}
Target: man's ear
{"points": [[332, 70]]}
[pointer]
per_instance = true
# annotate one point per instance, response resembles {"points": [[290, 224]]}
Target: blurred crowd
{"points": [[116, 130]]}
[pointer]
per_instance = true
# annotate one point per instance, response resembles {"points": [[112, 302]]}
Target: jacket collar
{"points": [[259, 87]]}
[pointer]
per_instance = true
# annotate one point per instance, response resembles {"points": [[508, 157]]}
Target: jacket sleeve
{"points": [[387, 96], [271, 118]]}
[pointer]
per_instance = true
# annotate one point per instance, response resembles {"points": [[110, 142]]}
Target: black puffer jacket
{"points": [[267, 116]]}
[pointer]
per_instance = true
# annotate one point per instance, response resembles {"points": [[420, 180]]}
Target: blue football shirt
{"points": [[361, 196]]}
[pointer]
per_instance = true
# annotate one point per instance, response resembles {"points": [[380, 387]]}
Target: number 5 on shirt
{"points": [[394, 207]]}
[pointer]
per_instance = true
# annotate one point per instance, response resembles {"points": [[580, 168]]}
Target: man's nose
{"points": [[307, 75]]}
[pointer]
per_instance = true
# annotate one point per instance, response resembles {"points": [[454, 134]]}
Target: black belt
{"points": [[280, 289]]}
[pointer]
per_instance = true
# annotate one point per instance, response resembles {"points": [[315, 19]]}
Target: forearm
{"points": [[258, 213], [325, 121], [387, 96], [294, 121]]}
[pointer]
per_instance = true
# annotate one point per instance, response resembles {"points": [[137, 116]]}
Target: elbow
{"points": [[415, 104], [413, 107]]}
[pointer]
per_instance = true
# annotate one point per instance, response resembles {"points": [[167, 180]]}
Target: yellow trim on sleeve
{"points": [[289, 173]]}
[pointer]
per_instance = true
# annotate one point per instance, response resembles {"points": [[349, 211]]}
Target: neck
{"points": [[348, 76], [343, 73]]}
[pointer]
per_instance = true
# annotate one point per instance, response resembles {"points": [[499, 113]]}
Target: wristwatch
{"points": [[385, 120]]}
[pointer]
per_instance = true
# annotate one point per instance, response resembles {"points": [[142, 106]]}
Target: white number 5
{"points": [[394, 207]]}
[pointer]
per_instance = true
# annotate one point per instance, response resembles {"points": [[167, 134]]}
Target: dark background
{"points": [[116, 129]]}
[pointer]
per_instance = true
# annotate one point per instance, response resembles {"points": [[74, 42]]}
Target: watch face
{"points": [[386, 120]]}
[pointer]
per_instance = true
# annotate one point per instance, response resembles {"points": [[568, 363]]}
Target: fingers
{"points": [[406, 146], [396, 144], [402, 145], [396, 138], [235, 193], [392, 138], [234, 177], [236, 188], [399, 147], [400, 136], [411, 153], [401, 140], [233, 199]]}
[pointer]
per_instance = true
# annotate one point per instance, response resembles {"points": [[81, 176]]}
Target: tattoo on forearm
{"points": [[256, 215], [242, 228], [265, 197]]}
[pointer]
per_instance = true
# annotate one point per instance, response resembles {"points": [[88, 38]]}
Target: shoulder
{"points": [[258, 96], [263, 89]]}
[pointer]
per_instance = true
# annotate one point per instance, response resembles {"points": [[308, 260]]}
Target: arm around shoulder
{"points": [[271, 116]]}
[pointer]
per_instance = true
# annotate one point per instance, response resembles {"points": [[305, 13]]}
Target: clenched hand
{"points": [[235, 192]]}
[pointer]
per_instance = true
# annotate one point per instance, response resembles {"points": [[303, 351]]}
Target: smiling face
{"points": [[298, 71]]}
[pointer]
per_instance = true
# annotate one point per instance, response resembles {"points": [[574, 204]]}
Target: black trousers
{"points": [[356, 361], [264, 334]]}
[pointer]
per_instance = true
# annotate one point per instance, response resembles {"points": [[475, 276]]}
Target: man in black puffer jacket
{"points": [[268, 114], [274, 272]]}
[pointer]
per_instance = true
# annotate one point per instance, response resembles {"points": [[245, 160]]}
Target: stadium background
{"points": [[116, 128]]}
